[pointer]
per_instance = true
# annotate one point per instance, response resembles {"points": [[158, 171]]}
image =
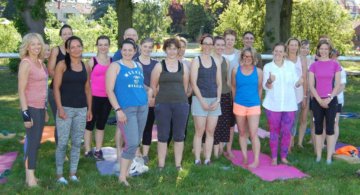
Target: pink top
{"points": [[324, 72], [36, 88], [97, 80]]}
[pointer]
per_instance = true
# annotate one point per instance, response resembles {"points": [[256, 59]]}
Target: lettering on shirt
{"points": [[134, 77]]}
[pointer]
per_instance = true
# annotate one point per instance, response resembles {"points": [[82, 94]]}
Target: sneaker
{"points": [[62, 181], [73, 178], [207, 162], [198, 162], [98, 155], [89, 154]]}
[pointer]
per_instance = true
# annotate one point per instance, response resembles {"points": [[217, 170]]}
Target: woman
{"points": [[32, 86], [222, 130], [304, 53], [232, 55], [100, 103], [206, 83], [126, 91], [247, 91], [74, 104], [169, 81], [148, 64], [57, 54], [324, 104], [293, 55], [280, 81]]}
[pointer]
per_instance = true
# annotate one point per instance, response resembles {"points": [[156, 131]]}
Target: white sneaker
{"points": [[62, 180], [73, 178]]}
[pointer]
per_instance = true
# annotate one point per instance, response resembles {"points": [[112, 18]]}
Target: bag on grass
{"points": [[348, 151]]}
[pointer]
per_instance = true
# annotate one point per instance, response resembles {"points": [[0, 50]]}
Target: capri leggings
{"points": [[329, 114], [100, 109], [147, 135], [33, 136]]}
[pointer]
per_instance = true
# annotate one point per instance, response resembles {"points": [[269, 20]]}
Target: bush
{"points": [[14, 65], [9, 37]]}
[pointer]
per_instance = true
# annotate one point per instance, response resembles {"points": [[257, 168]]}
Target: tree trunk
{"points": [[285, 20], [34, 24], [272, 23], [124, 10]]}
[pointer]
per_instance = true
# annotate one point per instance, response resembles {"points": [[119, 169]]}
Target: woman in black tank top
{"points": [[206, 83]]}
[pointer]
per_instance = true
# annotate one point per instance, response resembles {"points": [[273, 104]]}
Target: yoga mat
{"points": [[47, 135], [265, 170], [349, 115], [108, 166], [6, 162]]}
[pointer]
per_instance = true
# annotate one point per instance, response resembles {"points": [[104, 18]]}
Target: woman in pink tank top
{"points": [[32, 88], [100, 105]]}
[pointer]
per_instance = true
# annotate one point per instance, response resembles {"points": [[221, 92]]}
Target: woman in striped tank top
{"points": [[32, 86]]}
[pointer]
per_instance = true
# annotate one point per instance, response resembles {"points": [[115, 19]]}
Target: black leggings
{"points": [[147, 135], [329, 114], [33, 136], [101, 108]]}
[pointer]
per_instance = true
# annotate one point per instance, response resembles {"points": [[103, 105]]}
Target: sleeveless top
{"points": [[206, 80], [59, 57], [98, 79], [147, 69], [300, 90], [171, 85], [224, 77], [129, 86], [247, 93], [36, 87], [73, 88]]}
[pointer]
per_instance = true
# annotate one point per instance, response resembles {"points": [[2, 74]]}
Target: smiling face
{"points": [[248, 40], [172, 51], [247, 58], [229, 41], [207, 45], [279, 52], [293, 46], [304, 50], [146, 48], [127, 51], [35, 47], [75, 48], [103, 46], [219, 46], [324, 50], [66, 33]]}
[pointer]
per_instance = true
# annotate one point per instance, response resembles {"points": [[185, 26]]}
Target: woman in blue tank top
{"points": [[127, 94], [247, 89]]}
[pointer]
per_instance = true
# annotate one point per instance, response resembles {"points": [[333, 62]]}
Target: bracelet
{"points": [[26, 116], [218, 101], [117, 109]]}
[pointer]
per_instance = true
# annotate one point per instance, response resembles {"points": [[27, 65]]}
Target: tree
{"points": [[272, 23], [109, 24], [124, 10], [101, 8], [31, 16], [177, 14]]}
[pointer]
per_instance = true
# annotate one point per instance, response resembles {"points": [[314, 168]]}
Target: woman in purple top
{"points": [[322, 75]]}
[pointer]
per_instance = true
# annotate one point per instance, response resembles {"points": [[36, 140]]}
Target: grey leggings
{"points": [[33, 136], [132, 131], [74, 124]]}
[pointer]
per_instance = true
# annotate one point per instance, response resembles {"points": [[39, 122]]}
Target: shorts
{"points": [[339, 108], [197, 110], [240, 110]]}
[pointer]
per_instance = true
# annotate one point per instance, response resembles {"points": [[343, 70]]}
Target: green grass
{"points": [[339, 178]]}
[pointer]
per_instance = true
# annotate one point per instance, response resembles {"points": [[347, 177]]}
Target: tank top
{"points": [[171, 85], [247, 93], [129, 86], [97, 79], [300, 90], [147, 69], [206, 80], [73, 88], [59, 57], [224, 77], [36, 87]]}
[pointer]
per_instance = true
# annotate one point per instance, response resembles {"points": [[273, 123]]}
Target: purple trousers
{"points": [[280, 124]]}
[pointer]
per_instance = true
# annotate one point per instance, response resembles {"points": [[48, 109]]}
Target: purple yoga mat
{"points": [[108, 166], [265, 170], [6, 162]]}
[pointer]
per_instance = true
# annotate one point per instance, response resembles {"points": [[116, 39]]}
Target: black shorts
{"points": [[101, 108]]}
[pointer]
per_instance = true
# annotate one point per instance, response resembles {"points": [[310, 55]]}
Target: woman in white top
{"points": [[280, 82], [293, 55]]}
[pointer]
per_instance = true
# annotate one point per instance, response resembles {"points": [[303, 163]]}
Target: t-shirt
{"points": [[324, 72], [340, 97]]}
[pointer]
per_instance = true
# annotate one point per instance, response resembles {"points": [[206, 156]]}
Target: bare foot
{"points": [[32, 183], [274, 162], [245, 161], [230, 155], [284, 161], [254, 165]]}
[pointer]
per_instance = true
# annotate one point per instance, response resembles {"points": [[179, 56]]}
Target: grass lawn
{"points": [[338, 178]]}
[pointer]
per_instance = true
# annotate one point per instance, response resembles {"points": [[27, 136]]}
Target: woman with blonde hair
{"points": [[32, 88]]}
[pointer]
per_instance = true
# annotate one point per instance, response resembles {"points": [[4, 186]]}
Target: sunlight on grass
{"points": [[181, 177], [9, 98]]}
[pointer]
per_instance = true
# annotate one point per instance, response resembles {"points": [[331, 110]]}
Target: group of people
{"points": [[220, 87]]}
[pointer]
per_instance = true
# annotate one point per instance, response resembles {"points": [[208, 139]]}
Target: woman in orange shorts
{"points": [[247, 90]]}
